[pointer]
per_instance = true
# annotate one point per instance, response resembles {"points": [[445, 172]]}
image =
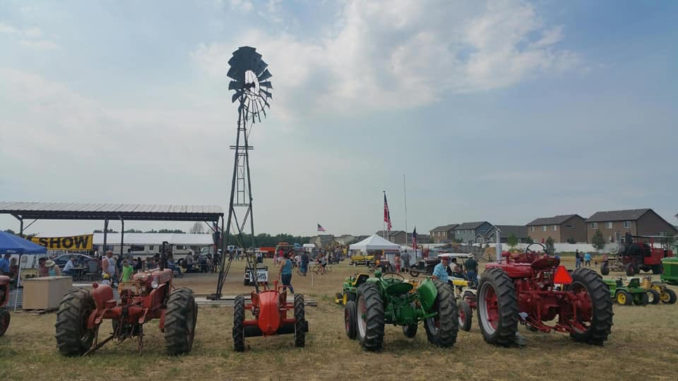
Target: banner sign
{"points": [[76, 242]]}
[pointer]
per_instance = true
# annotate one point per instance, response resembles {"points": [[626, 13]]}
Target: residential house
{"points": [[322, 241], [505, 231], [443, 234], [473, 232], [616, 223], [561, 228], [396, 236]]}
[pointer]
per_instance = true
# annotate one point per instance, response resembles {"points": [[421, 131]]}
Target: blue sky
{"points": [[502, 111]]}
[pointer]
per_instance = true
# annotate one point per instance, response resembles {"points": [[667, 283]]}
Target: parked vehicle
{"points": [[639, 253], [627, 294]]}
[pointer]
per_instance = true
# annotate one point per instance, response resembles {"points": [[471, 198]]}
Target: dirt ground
{"points": [[643, 345]]}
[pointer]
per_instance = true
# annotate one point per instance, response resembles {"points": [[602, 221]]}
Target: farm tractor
{"points": [[4, 298], [349, 290], [532, 288], [389, 299], [146, 297], [658, 291], [629, 294], [670, 274], [270, 310], [636, 254]]}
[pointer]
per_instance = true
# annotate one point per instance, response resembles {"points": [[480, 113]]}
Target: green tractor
{"points": [[670, 274], [349, 290], [626, 295], [390, 299]]}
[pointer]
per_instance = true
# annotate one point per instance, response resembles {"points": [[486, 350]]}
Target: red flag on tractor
{"points": [[387, 214]]}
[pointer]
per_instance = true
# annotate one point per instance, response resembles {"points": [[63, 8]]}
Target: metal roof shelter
{"points": [[138, 212]]}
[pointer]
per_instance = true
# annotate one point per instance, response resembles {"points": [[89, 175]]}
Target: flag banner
{"points": [[77, 242], [320, 228], [414, 238], [387, 214]]}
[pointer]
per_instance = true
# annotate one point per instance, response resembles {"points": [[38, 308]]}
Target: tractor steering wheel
{"points": [[393, 274], [527, 249]]}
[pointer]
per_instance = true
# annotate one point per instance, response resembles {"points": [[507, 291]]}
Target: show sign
{"points": [[76, 242]]}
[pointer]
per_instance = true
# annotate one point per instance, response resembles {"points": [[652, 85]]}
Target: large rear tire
{"points": [[180, 320], [497, 308], [441, 330], [370, 317], [72, 336], [238, 324], [4, 321], [350, 317], [300, 325], [623, 298], [465, 316], [600, 319]]}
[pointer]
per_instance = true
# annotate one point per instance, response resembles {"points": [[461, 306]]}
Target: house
{"points": [[322, 241], [505, 231], [561, 228], [396, 236], [443, 233], [345, 239], [616, 223], [473, 232]]}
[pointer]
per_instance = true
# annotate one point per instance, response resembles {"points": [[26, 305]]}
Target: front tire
{"points": [[72, 336], [300, 324], [623, 298], [180, 320], [594, 291], [410, 331], [441, 330], [238, 324], [497, 308], [465, 316], [604, 268], [653, 297], [668, 296], [350, 324], [641, 299], [370, 313]]}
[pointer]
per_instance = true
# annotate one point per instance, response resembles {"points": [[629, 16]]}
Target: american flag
{"points": [[320, 228], [387, 214]]}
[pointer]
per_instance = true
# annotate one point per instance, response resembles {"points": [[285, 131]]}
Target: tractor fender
{"points": [[269, 312], [101, 293], [428, 293]]}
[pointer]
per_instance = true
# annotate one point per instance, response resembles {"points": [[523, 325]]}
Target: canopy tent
{"points": [[10, 243], [375, 242]]}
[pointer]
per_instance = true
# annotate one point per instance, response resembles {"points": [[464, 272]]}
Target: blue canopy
{"points": [[10, 243]]}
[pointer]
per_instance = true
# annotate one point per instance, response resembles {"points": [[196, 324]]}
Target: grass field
{"points": [[643, 345]]}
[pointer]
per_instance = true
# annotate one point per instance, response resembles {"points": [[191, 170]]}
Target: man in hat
{"points": [[440, 270]]}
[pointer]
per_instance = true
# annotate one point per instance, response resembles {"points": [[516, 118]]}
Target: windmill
{"points": [[250, 81]]}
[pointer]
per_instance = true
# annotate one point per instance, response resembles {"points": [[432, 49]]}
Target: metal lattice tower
{"points": [[250, 79]]}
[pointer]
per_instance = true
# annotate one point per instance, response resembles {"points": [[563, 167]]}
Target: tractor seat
{"points": [[360, 279], [399, 288]]}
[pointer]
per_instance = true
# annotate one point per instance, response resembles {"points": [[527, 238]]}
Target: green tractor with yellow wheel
{"points": [[658, 291], [627, 294], [390, 299], [349, 290]]}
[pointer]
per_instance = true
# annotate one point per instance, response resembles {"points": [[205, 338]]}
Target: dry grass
{"points": [[643, 344]]}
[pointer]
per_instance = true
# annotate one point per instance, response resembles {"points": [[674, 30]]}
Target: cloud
{"points": [[401, 54], [29, 37]]}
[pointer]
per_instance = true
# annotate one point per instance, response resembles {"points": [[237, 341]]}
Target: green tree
{"points": [[512, 241], [597, 240], [530, 240]]}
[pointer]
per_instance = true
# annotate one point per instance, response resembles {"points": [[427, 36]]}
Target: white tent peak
{"points": [[375, 242]]}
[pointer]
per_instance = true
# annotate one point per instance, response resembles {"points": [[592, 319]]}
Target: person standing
{"points": [[587, 259], [52, 268], [286, 272], [43, 271], [127, 271], [397, 262], [440, 270], [406, 260], [577, 259], [304, 263], [108, 269], [4, 264]]}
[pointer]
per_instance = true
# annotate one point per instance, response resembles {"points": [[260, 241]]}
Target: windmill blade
{"points": [[268, 95], [264, 76], [236, 95], [235, 85], [266, 84]]}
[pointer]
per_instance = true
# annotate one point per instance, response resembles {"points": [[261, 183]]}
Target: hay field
{"points": [[643, 345]]}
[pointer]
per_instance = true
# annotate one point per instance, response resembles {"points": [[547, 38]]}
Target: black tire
{"points": [[465, 316], [300, 324], [653, 297], [238, 324], [640, 299], [627, 298], [414, 273], [631, 269], [442, 329], [657, 269], [503, 331], [72, 336], [180, 319], [350, 324], [600, 323], [410, 331], [604, 268], [671, 299], [370, 317], [4, 320]]}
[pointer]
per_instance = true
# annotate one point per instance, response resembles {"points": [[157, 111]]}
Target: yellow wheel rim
{"points": [[621, 298], [664, 297]]}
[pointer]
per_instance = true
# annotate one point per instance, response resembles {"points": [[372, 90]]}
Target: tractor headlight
{"points": [[154, 282]]}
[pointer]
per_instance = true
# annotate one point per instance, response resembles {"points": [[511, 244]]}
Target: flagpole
{"points": [[405, 192]]}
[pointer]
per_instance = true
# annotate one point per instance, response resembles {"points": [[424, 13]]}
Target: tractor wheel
{"points": [[604, 268], [300, 326], [238, 323], [441, 330], [465, 316], [640, 299], [350, 317], [73, 337], [497, 308], [410, 331], [668, 296], [180, 318], [594, 292], [623, 298], [653, 297], [414, 273], [4, 320], [631, 269], [370, 317], [657, 269]]}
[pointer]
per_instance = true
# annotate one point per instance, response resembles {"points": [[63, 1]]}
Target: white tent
{"points": [[374, 242]]}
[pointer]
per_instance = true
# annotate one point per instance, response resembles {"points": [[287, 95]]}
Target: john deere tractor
{"points": [[349, 290], [627, 294], [390, 299]]}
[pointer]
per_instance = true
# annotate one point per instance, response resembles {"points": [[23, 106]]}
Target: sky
{"points": [[503, 111]]}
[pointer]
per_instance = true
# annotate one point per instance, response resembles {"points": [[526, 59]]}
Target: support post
{"points": [[103, 250], [122, 238], [498, 243]]}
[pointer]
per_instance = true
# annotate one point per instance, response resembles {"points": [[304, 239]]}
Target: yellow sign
{"points": [[76, 242]]}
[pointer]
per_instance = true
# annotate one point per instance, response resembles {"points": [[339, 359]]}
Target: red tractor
{"points": [[270, 310], [147, 296], [638, 253], [532, 288], [4, 298]]}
